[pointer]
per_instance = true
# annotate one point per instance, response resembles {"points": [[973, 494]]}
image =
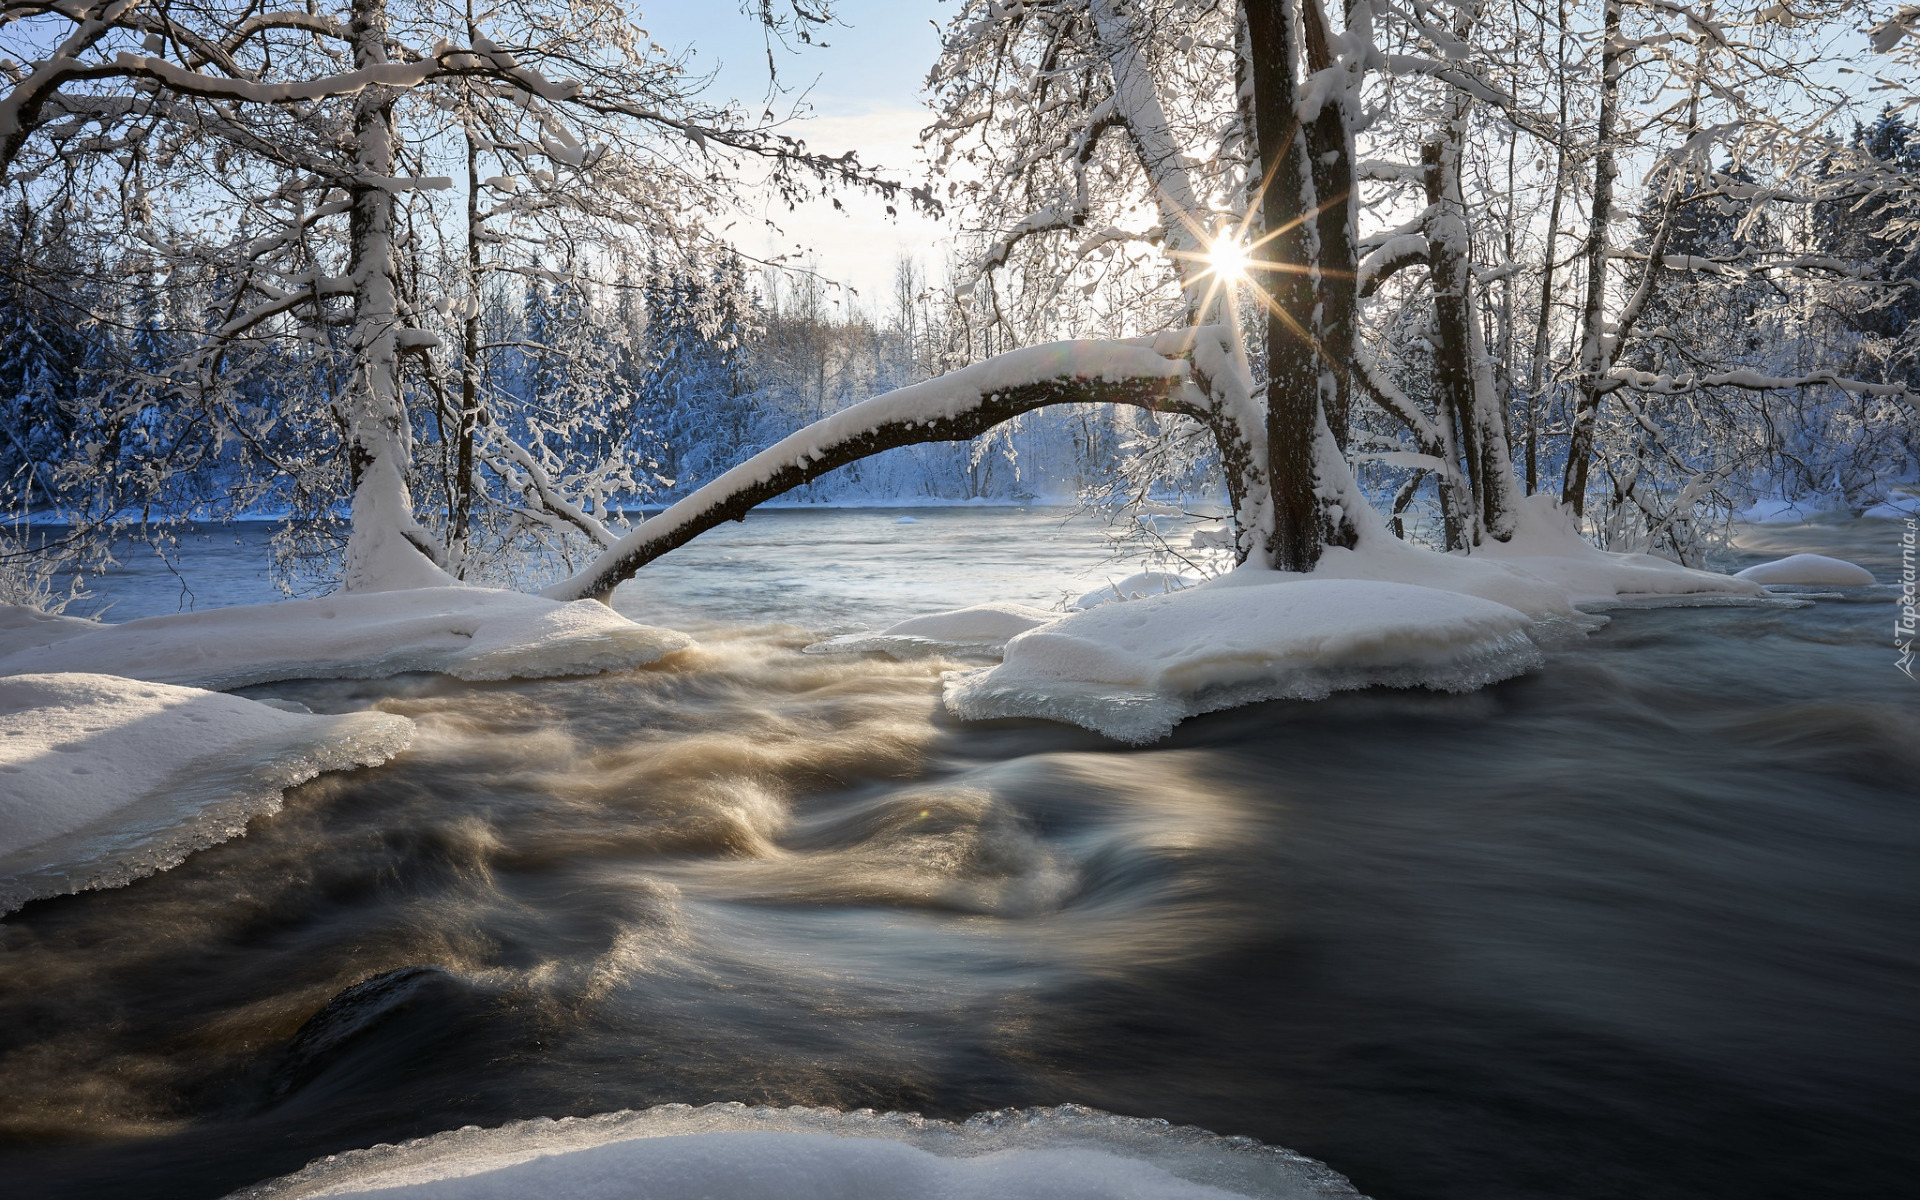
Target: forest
{"points": [[1657, 260]]}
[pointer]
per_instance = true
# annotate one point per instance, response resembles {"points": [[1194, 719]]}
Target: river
{"points": [[1640, 924]]}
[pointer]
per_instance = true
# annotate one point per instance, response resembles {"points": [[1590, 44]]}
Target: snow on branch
{"points": [[1754, 381], [955, 407], [1403, 250], [541, 487]]}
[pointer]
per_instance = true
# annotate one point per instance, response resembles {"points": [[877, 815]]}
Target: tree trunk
{"points": [[1329, 148], [1537, 377], [1463, 372], [954, 407], [1305, 516], [1594, 356], [460, 520], [384, 549]]}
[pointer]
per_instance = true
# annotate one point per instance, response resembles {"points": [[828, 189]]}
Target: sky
{"points": [[863, 88]]}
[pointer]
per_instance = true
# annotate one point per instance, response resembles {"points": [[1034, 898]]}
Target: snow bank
{"points": [[981, 629], [1132, 671], [1139, 586], [728, 1150], [1141, 655], [468, 632], [1777, 512], [22, 628], [1895, 506], [1815, 569], [104, 780], [1546, 545]]}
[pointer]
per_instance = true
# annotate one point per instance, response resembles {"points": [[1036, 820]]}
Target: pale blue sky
{"points": [[863, 86]]}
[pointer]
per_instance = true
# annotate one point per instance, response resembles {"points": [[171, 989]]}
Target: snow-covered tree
{"points": [[288, 154]]}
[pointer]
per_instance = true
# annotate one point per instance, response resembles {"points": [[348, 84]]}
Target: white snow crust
{"points": [[1546, 546], [468, 632], [1140, 656], [732, 1152], [22, 627], [980, 629], [1816, 569], [1138, 586], [1132, 671], [104, 779], [1777, 512], [1895, 506]]}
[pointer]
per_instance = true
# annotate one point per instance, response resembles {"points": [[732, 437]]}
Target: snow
{"points": [[981, 629], [1132, 671], [1546, 546], [1134, 587], [1776, 512], [926, 403], [728, 1150], [104, 779], [22, 627], [1896, 506], [1815, 569], [468, 632], [1386, 613]]}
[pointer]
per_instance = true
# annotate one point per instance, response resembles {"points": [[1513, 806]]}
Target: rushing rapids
{"points": [[1634, 924]]}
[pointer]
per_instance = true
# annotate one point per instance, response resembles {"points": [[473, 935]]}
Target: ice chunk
{"points": [[1133, 671], [104, 779], [468, 632], [728, 1150], [908, 521], [1134, 587], [1815, 569], [981, 629]]}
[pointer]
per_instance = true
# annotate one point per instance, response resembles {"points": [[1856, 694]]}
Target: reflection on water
{"points": [[1639, 924]]}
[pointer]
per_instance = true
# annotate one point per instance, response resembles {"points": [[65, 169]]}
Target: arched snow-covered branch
{"points": [[1145, 373]]}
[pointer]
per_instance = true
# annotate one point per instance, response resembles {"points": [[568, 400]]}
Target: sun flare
{"points": [[1229, 259]]}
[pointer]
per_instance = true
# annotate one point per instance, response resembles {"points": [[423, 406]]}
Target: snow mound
{"points": [[1140, 586], [1776, 512], [1894, 507], [1133, 671], [22, 628], [104, 780], [1547, 546], [729, 1150], [1815, 569], [981, 629], [468, 632]]}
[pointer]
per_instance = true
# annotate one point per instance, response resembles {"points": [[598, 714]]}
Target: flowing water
{"points": [[1640, 924]]}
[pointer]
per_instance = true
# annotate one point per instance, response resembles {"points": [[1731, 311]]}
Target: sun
{"points": [[1229, 258]]}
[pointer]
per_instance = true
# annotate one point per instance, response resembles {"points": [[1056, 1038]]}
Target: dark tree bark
{"points": [[1329, 146], [1593, 340], [1284, 261]]}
